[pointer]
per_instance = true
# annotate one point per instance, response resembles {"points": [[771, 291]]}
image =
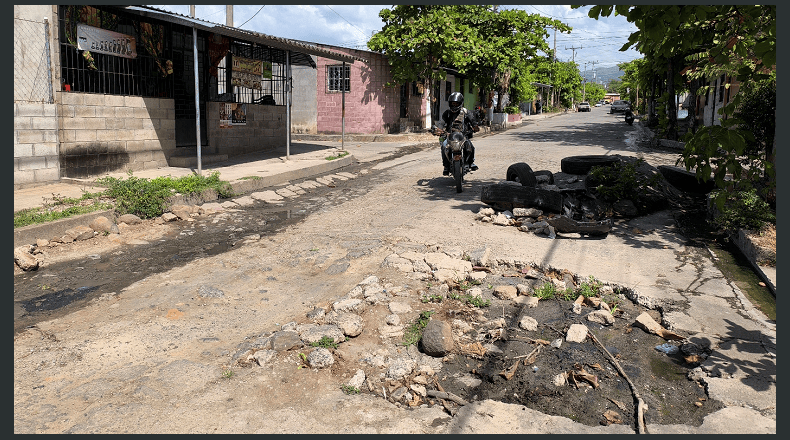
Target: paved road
{"points": [[149, 359]]}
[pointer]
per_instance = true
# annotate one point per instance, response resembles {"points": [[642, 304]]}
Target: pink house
{"points": [[371, 106]]}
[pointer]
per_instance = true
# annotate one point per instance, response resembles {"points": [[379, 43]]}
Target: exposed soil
{"points": [[661, 379]]}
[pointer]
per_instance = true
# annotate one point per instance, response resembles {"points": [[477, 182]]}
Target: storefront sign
{"points": [[232, 114], [248, 73], [99, 40]]}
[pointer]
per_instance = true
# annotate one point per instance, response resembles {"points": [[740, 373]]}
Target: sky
{"points": [[597, 42]]}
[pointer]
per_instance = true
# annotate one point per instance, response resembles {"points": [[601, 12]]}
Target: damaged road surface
{"points": [[317, 326]]}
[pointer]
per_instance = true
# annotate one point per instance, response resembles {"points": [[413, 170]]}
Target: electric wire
{"points": [[344, 18], [253, 16]]}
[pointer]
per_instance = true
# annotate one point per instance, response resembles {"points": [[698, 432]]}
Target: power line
{"points": [[347, 21], [253, 16]]}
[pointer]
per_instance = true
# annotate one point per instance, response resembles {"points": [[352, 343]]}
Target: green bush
{"points": [[512, 110], [743, 209], [146, 198], [621, 181]]}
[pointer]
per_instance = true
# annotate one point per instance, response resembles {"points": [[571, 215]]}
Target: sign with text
{"points": [[248, 73], [232, 114], [103, 41]]}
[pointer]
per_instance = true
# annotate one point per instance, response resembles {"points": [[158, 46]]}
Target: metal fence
{"points": [[32, 75]]}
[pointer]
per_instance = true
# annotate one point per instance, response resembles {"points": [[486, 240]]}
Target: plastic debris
{"points": [[667, 348]]}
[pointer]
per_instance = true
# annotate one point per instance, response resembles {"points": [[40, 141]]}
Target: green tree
{"points": [[614, 86], [508, 41], [594, 92], [492, 47], [696, 41], [420, 39]]}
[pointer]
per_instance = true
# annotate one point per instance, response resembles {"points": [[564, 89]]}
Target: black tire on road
{"points": [[509, 196], [458, 175], [545, 173], [521, 173], [685, 180], [583, 164]]}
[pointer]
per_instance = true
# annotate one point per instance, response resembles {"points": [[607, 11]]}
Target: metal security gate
{"points": [[184, 87], [32, 75]]}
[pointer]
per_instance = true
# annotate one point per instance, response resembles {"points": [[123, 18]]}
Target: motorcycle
{"points": [[480, 115], [453, 148], [629, 117]]}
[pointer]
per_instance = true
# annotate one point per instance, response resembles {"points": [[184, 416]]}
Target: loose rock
{"points": [[320, 358], [505, 292], [437, 338], [576, 333]]}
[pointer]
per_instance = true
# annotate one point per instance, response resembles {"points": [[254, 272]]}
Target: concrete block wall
{"points": [[100, 134], [371, 107], [265, 130], [35, 144], [304, 108]]}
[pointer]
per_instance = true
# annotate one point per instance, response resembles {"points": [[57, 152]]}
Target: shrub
{"points": [[743, 209], [146, 198]]}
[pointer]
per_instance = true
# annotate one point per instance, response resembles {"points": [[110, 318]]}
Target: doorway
{"points": [[184, 87]]}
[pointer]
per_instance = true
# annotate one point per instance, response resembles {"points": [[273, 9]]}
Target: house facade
{"points": [[371, 106], [99, 89], [717, 96]]}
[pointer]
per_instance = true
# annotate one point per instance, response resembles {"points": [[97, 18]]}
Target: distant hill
{"points": [[602, 74]]}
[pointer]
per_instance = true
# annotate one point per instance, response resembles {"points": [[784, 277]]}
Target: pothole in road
{"points": [[497, 357]]}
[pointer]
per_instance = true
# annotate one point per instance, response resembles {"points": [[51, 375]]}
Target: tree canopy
{"points": [[692, 42], [490, 46]]}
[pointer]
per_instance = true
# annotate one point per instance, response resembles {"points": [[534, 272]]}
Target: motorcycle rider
{"points": [[458, 118]]}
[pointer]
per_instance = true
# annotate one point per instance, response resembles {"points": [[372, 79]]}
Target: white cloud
{"points": [[352, 25]]}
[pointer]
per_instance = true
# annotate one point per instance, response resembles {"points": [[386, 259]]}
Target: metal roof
{"points": [[299, 51]]}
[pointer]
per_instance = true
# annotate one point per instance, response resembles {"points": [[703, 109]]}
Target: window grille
{"points": [[338, 78], [145, 75]]}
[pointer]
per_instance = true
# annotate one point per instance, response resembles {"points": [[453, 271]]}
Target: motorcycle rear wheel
{"points": [[458, 175]]}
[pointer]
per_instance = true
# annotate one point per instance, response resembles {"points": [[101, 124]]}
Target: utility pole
{"points": [[585, 75], [574, 51], [229, 15]]}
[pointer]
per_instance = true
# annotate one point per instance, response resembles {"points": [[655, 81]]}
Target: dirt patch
{"points": [[513, 365]]}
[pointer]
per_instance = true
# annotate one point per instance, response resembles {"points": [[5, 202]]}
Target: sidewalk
{"points": [[307, 158]]}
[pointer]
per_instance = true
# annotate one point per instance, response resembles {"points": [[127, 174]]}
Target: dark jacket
{"points": [[455, 120]]}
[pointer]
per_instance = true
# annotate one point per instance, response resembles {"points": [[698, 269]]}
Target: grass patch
{"points": [[251, 178], [342, 154], [590, 288], [348, 389], [59, 207], [325, 342], [413, 332], [146, 197]]}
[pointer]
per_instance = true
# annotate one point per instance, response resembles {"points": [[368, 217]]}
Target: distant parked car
{"points": [[597, 104], [620, 106], [584, 107]]}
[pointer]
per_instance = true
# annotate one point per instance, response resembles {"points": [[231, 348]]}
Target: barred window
{"points": [[148, 74], [338, 78]]}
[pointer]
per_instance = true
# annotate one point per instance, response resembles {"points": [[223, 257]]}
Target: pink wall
{"points": [[370, 106]]}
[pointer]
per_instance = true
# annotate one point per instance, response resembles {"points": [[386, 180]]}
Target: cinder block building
{"points": [[99, 89]]}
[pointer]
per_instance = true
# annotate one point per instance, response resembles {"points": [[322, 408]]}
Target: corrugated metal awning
{"points": [[300, 52]]}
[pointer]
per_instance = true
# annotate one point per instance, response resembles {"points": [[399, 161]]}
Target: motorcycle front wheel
{"points": [[458, 175]]}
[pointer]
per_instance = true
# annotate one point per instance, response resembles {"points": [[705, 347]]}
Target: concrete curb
{"points": [[748, 249], [29, 234], [248, 186]]}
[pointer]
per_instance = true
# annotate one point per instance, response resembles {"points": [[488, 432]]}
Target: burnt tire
{"points": [[583, 164], [521, 173], [547, 173], [685, 180]]}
